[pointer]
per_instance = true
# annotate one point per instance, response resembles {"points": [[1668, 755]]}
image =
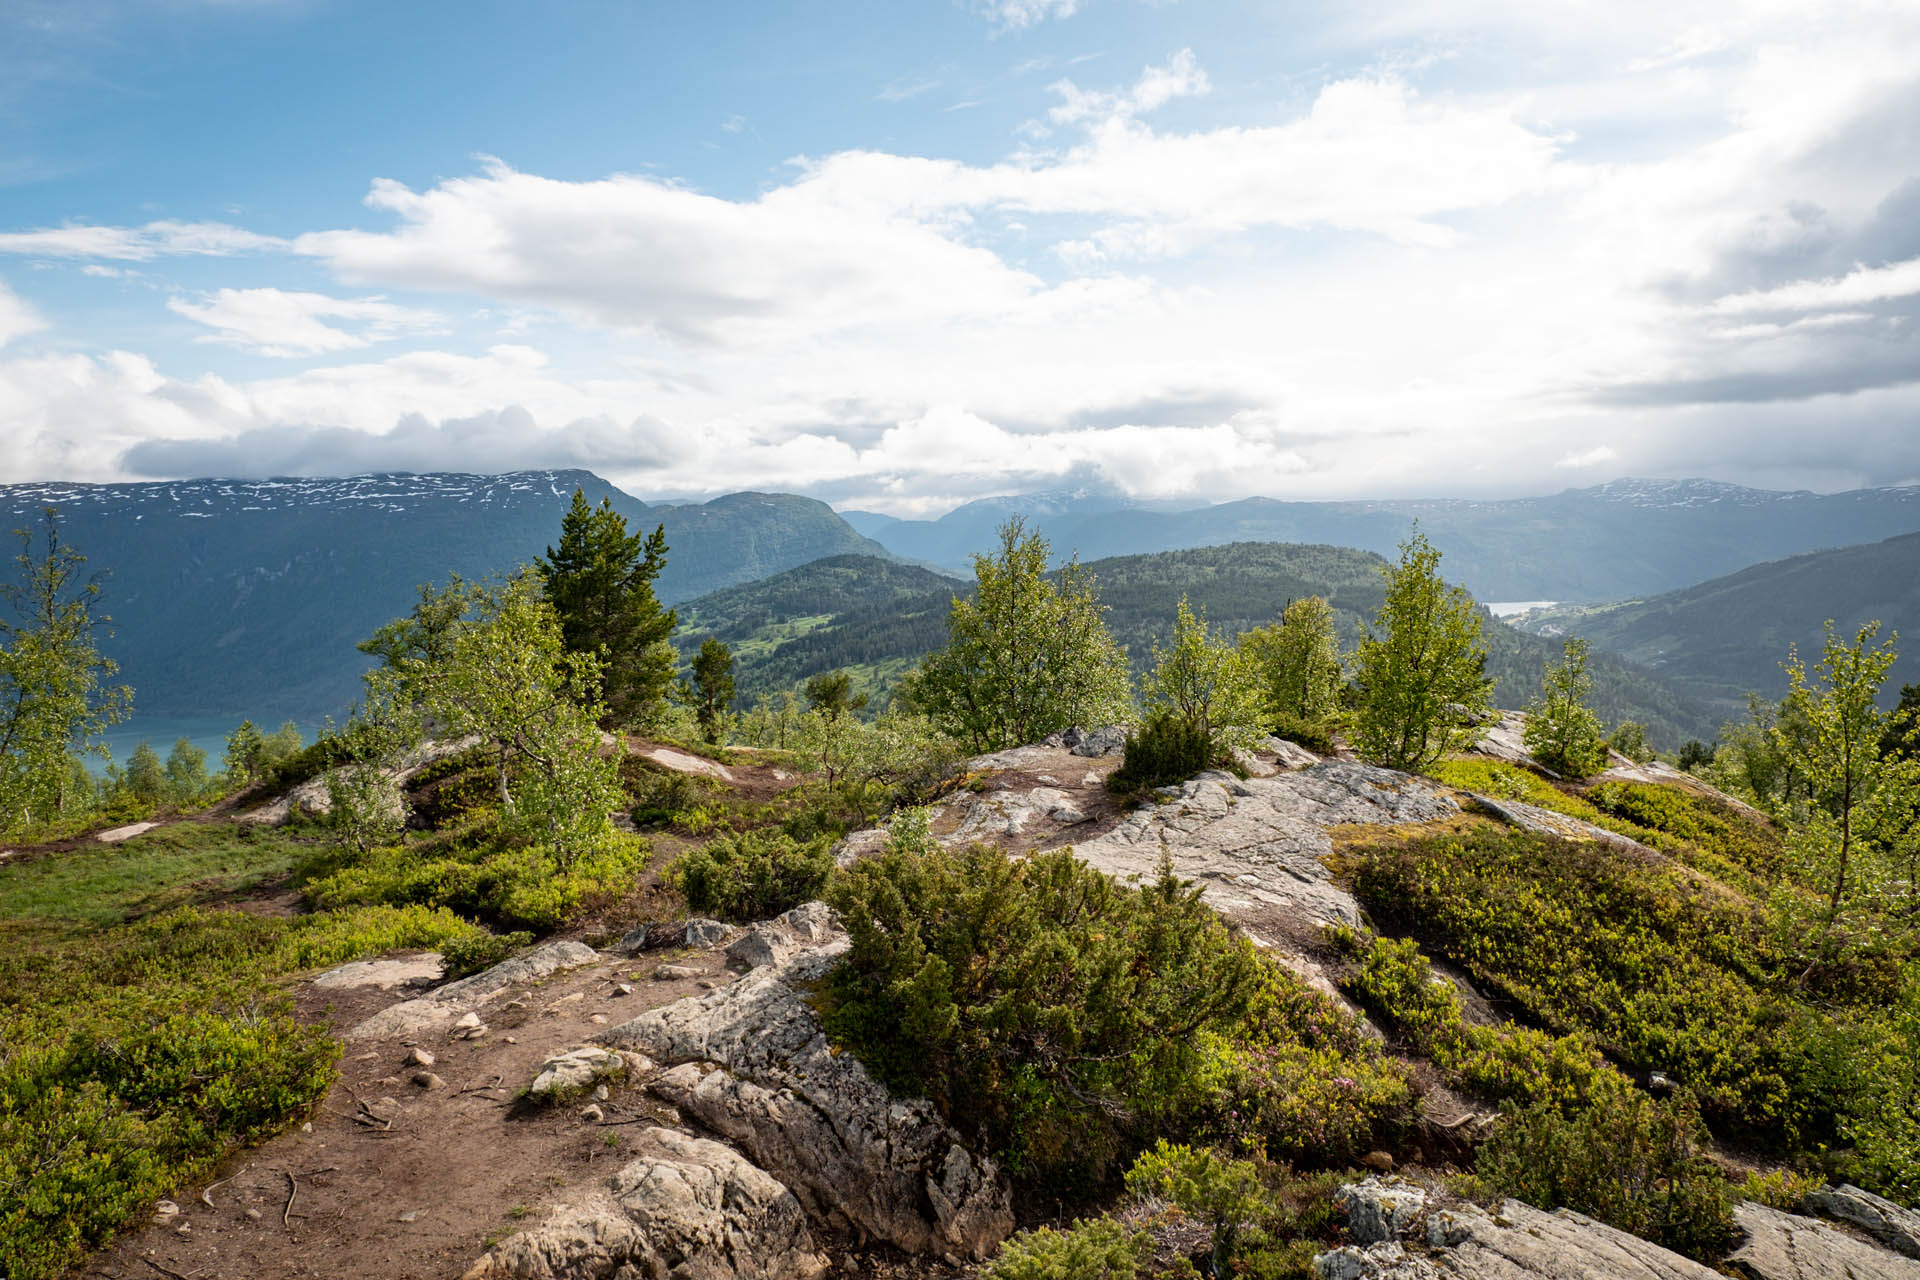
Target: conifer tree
{"points": [[600, 580], [709, 688], [1422, 676]]}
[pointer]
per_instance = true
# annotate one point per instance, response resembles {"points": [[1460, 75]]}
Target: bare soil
{"points": [[390, 1179]]}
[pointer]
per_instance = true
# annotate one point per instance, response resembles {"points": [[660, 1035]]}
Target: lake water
{"points": [[1513, 608]]}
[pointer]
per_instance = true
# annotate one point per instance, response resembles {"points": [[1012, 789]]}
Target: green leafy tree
{"points": [[831, 692], [708, 688], [1422, 668], [1026, 656], [187, 778], [772, 721], [1562, 732], [1298, 661], [1858, 795], [600, 579], [1629, 738], [55, 699], [246, 755], [1204, 680], [146, 777], [505, 675], [367, 807]]}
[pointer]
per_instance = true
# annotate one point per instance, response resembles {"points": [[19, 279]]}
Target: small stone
{"points": [[253, 1214], [512, 1040], [598, 1019], [601, 1093], [184, 1229], [707, 984], [466, 1022], [621, 989], [428, 1080], [306, 1126], [674, 973], [388, 1104], [474, 1033], [419, 1058], [165, 1211], [411, 1215], [592, 1114], [1380, 1161]]}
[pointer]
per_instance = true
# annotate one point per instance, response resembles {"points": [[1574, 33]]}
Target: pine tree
{"points": [[1422, 676], [1562, 732], [600, 580], [709, 689]]}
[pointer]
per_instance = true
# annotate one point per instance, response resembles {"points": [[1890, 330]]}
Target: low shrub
{"points": [[752, 876], [1782, 1189], [1166, 750], [1396, 984], [1625, 1159], [1048, 1010], [479, 874], [1264, 1222], [1664, 968], [1093, 1249]]}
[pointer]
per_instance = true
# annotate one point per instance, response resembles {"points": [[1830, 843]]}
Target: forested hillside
{"points": [[1716, 641], [879, 618], [233, 597]]}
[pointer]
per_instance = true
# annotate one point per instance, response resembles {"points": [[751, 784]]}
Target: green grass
{"points": [[98, 885]]}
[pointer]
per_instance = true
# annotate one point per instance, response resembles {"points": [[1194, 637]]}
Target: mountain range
{"points": [[242, 597], [1715, 641], [876, 619], [1627, 538]]}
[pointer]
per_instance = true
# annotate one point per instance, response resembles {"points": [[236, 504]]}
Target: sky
{"points": [[903, 254]]}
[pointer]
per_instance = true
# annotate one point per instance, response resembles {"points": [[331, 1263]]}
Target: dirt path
{"points": [[417, 1193]]}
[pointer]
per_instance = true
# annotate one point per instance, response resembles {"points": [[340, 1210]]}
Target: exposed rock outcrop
{"points": [[440, 1009], [1885, 1221], [1256, 846], [577, 1071], [686, 1209], [1384, 1215], [751, 1062], [1548, 822], [1786, 1246], [1404, 1233], [312, 799]]}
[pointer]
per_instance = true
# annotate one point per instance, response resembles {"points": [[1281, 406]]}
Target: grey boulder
{"points": [[686, 1209]]}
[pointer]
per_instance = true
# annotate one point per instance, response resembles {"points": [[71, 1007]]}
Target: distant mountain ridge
{"points": [[878, 619], [1607, 542], [1716, 640], [246, 597]]}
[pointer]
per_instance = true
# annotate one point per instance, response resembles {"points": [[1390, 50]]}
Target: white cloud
{"points": [[1588, 457], [1182, 77], [1861, 285], [17, 318], [139, 244], [276, 322], [1016, 15]]}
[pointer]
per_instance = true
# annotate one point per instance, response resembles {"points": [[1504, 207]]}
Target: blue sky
{"points": [[901, 255]]}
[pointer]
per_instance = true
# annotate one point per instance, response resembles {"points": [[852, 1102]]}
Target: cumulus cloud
{"points": [[276, 322], [16, 317], [1861, 285]]}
